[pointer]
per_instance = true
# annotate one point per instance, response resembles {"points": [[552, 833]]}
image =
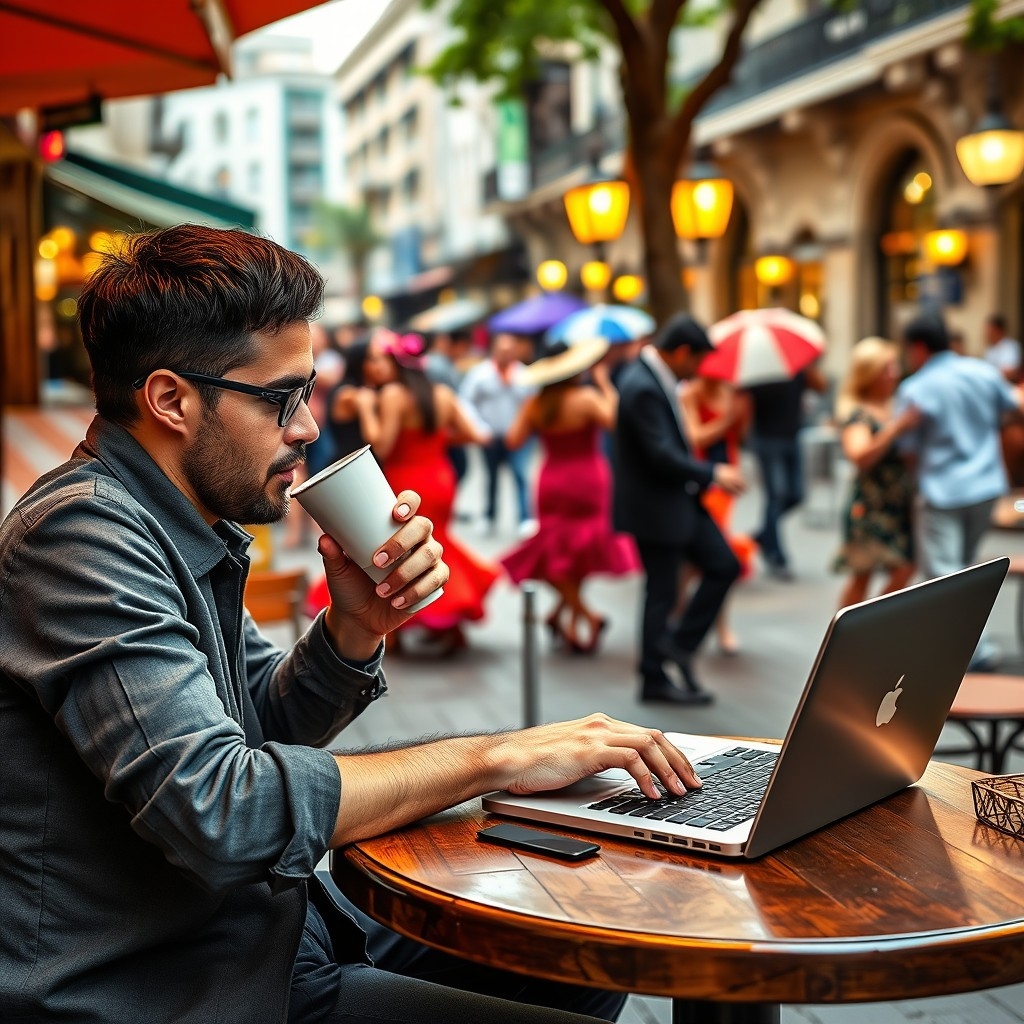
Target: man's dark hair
{"points": [[681, 329], [929, 331], [998, 321], [187, 298]]}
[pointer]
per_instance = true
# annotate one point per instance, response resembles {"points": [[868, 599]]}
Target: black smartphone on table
{"points": [[536, 841]]}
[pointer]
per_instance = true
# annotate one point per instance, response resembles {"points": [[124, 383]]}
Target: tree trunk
{"points": [[654, 164]]}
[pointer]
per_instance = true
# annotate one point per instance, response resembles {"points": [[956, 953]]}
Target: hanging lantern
{"points": [[597, 209], [595, 275], [702, 201], [552, 275], [993, 153], [946, 247], [628, 287], [774, 271]]}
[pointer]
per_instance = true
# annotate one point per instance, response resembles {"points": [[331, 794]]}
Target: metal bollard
{"points": [[531, 665]]}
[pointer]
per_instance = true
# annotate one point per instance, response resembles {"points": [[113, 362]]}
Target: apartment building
{"points": [[422, 165], [269, 138]]}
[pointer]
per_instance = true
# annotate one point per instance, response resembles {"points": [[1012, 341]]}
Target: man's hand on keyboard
{"points": [[552, 756]]}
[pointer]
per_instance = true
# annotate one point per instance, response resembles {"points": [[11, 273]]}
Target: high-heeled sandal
{"points": [[590, 647]]}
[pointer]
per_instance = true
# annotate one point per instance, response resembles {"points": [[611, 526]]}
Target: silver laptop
{"points": [[867, 722]]}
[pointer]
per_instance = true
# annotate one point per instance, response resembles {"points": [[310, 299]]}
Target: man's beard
{"points": [[225, 479]]}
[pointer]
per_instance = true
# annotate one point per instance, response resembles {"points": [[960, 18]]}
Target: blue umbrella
{"points": [[537, 314], [616, 324]]}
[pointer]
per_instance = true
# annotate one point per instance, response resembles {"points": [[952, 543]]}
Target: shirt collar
{"points": [[201, 546], [666, 378]]}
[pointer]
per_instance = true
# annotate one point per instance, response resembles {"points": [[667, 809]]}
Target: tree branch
{"points": [[627, 30], [662, 17], [718, 76]]}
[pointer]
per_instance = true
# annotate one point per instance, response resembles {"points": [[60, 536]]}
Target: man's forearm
{"points": [[385, 790]]}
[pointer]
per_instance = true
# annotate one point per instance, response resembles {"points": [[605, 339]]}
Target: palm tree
{"points": [[349, 229]]}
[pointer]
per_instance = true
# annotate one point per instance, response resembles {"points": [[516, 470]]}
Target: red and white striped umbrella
{"points": [[758, 346]]}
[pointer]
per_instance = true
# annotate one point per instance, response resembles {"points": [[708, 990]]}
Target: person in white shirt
{"points": [[1002, 351], [494, 393]]}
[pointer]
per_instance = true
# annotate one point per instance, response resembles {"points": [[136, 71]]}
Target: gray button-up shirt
{"points": [[162, 797]]}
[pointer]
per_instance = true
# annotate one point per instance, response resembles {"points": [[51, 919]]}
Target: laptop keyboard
{"points": [[734, 783]]}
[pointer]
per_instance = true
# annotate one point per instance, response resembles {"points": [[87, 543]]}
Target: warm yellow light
{"points": [[552, 275], [688, 276], [595, 275], [48, 249], [924, 180], [67, 308], [810, 305], [913, 193], [628, 287], [946, 247], [101, 241], [64, 238], [774, 271], [993, 157], [597, 210], [372, 307], [45, 279], [91, 262], [701, 208]]}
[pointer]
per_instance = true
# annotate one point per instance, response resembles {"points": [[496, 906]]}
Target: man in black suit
{"points": [[658, 483]]}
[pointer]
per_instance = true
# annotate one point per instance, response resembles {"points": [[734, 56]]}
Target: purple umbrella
{"points": [[537, 314]]}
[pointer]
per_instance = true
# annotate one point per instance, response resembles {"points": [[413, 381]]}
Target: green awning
{"points": [[144, 197]]}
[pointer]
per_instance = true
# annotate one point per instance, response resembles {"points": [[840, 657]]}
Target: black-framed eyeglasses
{"points": [[288, 399]]}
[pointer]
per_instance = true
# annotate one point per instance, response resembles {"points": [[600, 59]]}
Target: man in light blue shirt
{"points": [[956, 448]]}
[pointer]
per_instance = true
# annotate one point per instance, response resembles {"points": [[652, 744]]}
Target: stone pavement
{"points": [[780, 626]]}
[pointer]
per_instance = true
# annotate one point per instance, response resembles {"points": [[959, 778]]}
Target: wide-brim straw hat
{"points": [[565, 365]]}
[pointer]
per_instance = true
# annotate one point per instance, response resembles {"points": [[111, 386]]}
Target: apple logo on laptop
{"points": [[888, 706]]}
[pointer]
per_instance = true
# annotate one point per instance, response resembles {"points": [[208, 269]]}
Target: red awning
{"points": [[53, 52]]}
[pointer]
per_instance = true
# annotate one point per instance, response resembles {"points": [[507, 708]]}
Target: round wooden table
{"points": [[912, 897]]}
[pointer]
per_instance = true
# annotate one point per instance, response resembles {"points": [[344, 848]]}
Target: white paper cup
{"points": [[352, 501]]}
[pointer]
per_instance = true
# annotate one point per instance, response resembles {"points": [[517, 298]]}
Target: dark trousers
{"points": [[707, 551], [497, 455], [782, 477], [410, 982]]}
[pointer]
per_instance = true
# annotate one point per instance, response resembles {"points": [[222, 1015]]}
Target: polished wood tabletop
{"points": [[911, 897]]}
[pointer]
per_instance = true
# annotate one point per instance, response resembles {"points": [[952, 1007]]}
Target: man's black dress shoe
{"points": [[667, 693], [683, 660]]}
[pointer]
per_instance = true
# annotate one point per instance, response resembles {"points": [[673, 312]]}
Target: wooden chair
{"points": [[277, 596], [990, 708]]}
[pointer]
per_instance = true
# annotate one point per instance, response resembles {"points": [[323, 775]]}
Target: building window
{"points": [[411, 186], [222, 180], [220, 127], [410, 125], [252, 125]]}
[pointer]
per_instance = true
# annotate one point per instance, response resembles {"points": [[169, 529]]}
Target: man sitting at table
{"points": [[164, 794]]}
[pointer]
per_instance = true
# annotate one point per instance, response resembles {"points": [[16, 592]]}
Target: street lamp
{"points": [[773, 271], [993, 153], [702, 200], [595, 275], [945, 247], [552, 275], [597, 209]]}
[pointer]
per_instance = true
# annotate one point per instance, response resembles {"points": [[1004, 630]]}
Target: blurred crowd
{"points": [[930, 434]]}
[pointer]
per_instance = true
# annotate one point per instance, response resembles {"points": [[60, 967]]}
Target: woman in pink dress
{"points": [[574, 538]]}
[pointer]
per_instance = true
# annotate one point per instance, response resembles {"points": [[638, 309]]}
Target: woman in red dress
{"points": [[410, 423], [574, 538]]}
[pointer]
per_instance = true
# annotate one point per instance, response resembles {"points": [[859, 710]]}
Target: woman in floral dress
{"points": [[878, 530]]}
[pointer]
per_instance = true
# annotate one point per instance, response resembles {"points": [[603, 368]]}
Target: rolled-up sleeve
{"points": [[107, 642]]}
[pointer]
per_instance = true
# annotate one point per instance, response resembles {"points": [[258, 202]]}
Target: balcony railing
{"points": [[820, 40], [817, 41]]}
